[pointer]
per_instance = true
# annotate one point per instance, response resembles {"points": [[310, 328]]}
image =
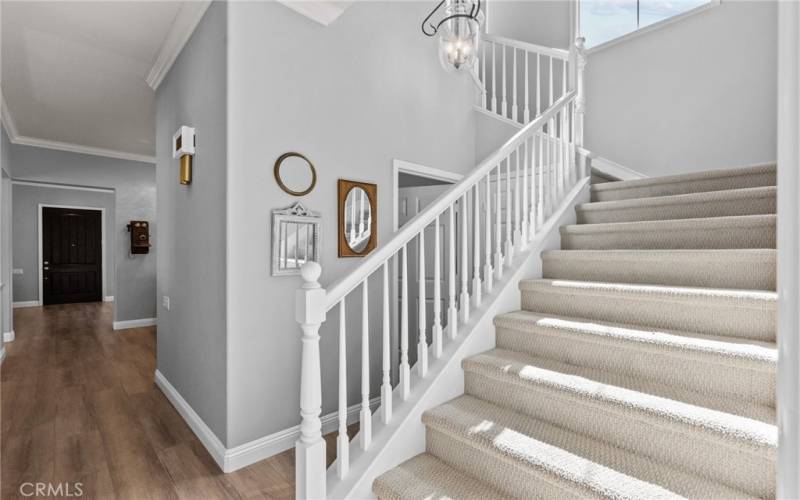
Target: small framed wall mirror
{"points": [[295, 174], [358, 218], [295, 239]]}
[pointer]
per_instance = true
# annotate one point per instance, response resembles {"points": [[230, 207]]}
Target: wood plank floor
{"points": [[79, 405]]}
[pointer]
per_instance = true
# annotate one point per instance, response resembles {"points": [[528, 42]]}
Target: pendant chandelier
{"points": [[458, 32]]}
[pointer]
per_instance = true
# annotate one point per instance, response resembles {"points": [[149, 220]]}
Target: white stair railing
{"points": [[520, 80], [535, 169]]}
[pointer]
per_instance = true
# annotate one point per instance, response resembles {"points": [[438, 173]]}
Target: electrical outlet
{"points": [[165, 302]]}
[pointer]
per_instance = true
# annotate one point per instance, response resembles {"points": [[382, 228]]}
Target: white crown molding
{"points": [[21, 182], [324, 11], [183, 26], [79, 148], [5, 115]]}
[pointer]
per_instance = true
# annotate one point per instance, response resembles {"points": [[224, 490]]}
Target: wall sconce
{"points": [[183, 145]]}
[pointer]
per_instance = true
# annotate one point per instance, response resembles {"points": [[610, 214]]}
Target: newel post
{"points": [[580, 98], [310, 470]]}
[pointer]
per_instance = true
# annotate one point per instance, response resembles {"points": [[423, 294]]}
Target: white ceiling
{"points": [[74, 72]]}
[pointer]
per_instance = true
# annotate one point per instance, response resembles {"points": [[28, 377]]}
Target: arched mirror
{"points": [[295, 174], [357, 218]]}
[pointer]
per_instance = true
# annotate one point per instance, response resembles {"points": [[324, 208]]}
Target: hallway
{"points": [[79, 406]]}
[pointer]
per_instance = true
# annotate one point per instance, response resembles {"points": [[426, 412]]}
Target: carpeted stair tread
{"points": [[722, 312], [726, 374], [712, 180], [740, 231], [426, 477], [734, 450], [747, 201], [532, 458], [716, 268]]}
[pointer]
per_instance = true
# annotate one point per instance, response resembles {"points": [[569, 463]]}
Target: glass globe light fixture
{"points": [[458, 32]]}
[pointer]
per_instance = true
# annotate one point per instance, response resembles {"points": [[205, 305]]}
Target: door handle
{"points": [[46, 268]]}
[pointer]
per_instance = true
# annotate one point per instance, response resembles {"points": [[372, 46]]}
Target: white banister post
{"points": [[310, 469], [580, 85]]}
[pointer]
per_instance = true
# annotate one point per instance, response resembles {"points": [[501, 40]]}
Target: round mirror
{"points": [[358, 219], [295, 174]]}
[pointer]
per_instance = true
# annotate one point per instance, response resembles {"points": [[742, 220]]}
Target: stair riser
{"points": [[721, 208], [505, 476], [720, 273], [754, 320], [678, 445], [762, 236], [747, 388], [686, 187]]}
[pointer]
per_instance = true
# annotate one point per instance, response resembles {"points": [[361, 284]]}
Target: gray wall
{"points": [[351, 96], [134, 184], [191, 250], [7, 322], [26, 232], [694, 95], [543, 22]]}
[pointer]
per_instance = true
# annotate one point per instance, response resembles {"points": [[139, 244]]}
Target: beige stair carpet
{"points": [[641, 366]]}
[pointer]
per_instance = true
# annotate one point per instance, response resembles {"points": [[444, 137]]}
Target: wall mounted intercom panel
{"points": [[140, 236]]}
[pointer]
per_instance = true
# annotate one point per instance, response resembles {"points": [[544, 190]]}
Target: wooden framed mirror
{"points": [[295, 174], [358, 218]]}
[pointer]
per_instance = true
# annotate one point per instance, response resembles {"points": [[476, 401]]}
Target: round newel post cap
{"points": [[311, 271]]}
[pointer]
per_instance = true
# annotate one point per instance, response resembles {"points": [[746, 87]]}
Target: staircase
{"points": [[642, 365]]}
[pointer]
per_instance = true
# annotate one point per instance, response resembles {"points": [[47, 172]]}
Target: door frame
{"points": [[401, 166], [40, 266]]}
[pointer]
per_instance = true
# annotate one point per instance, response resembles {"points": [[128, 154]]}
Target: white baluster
{"points": [[509, 254], [524, 220], [498, 254], [534, 201], [386, 385], [342, 441], [422, 344], [310, 466], [452, 311], [488, 273], [580, 97], [365, 417], [436, 332], [483, 75], [464, 299], [538, 84], [514, 97], [526, 114], [563, 77], [517, 230], [550, 92], [494, 79], [540, 198], [476, 247], [504, 88], [405, 370]]}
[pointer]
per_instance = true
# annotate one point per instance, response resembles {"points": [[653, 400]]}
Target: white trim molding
{"points": [[25, 303], [615, 170], [8, 119], [788, 233], [9, 336], [653, 27], [238, 457], [134, 323], [183, 26], [22, 182], [103, 263], [108, 298]]}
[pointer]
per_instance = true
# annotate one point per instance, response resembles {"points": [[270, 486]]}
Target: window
{"points": [[604, 20]]}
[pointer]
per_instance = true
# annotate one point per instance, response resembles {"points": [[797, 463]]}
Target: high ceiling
{"points": [[74, 72]]}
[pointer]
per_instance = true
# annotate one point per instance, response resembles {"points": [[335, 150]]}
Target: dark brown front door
{"points": [[71, 255]]}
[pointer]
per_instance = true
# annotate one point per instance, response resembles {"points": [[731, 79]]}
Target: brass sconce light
{"points": [[183, 146]]}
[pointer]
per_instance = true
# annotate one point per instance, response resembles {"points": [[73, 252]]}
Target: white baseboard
{"points": [[615, 170], [25, 303], [108, 298], [232, 459], [9, 336], [134, 323]]}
